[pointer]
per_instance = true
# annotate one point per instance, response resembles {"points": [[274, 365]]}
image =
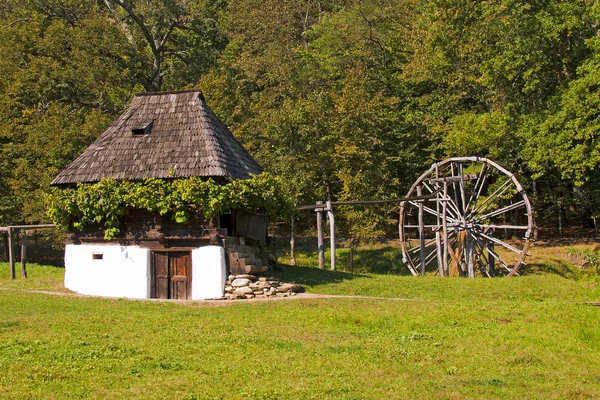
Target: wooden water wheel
{"points": [[478, 221]]}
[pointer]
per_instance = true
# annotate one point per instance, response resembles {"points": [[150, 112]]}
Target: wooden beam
{"points": [[11, 253], [292, 245], [366, 202], [459, 178], [24, 255], [31, 226], [421, 233], [331, 233], [320, 237]]}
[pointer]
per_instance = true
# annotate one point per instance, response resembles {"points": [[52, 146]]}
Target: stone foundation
{"points": [[250, 287]]}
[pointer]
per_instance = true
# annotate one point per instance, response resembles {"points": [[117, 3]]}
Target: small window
{"points": [[142, 129], [97, 256]]}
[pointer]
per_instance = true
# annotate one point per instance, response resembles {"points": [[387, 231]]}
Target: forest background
{"points": [[344, 99]]}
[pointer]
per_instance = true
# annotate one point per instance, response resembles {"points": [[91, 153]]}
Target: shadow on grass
{"points": [[311, 276], [376, 258], [556, 266]]}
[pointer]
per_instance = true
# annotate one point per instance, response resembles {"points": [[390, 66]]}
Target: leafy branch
{"points": [[107, 201]]}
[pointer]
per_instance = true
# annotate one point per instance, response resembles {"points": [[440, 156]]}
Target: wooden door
{"points": [[171, 275], [180, 269]]}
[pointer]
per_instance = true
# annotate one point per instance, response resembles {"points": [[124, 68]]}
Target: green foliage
{"points": [[591, 257], [107, 201], [343, 99]]}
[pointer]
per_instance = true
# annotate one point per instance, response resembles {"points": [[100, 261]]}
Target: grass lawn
{"points": [[525, 337]]}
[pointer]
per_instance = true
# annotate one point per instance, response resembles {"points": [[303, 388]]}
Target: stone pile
{"points": [[251, 286]]}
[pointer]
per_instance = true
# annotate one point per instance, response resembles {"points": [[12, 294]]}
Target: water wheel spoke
{"points": [[492, 226], [478, 187], [454, 212], [500, 211], [487, 202], [498, 241], [495, 255], [428, 243], [431, 211], [417, 248], [481, 254]]}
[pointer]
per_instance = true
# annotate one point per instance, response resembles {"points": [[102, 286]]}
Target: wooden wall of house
{"points": [[151, 230]]}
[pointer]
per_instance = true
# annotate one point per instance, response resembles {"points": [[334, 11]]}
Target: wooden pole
{"points": [[331, 233], [320, 237], [24, 255], [445, 228], [292, 245], [6, 252], [35, 251], [421, 232], [438, 238], [11, 253], [492, 260], [469, 250]]}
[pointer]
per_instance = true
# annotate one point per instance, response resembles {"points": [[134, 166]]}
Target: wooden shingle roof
{"points": [[163, 135]]}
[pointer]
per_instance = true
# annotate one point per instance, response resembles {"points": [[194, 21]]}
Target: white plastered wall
{"points": [[208, 272], [122, 271]]}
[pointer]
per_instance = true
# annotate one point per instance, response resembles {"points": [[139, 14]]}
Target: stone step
{"points": [[241, 254], [250, 261], [255, 269]]}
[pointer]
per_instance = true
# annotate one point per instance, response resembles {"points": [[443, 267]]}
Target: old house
{"points": [[166, 136]]}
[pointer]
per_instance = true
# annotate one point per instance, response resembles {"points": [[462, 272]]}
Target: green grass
{"points": [[529, 337]]}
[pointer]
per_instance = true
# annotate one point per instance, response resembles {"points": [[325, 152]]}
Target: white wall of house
{"points": [[108, 270], [124, 271], [208, 272]]}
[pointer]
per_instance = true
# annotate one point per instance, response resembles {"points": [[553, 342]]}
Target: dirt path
{"points": [[298, 296]]}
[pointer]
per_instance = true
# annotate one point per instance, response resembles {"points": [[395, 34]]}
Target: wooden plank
{"points": [[161, 271], [320, 237], [331, 233], [421, 233], [292, 244], [445, 230], [365, 202], [11, 253], [459, 178], [24, 256]]}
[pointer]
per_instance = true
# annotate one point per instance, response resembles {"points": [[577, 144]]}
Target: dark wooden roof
{"points": [[176, 135]]}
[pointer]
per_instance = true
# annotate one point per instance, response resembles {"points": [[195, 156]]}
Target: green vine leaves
{"points": [[105, 202]]}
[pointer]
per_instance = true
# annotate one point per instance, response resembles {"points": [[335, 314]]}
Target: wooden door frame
{"points": [[153, 275]]}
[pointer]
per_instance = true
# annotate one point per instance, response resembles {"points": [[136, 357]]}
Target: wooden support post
{"points": [[331, 233], [438, 238], [445, 228], [292, 245], [469, 251], [35, 248], [24, 255], [11, 253], [6, 252], [492, 260], [320, 237], [421, 233]]}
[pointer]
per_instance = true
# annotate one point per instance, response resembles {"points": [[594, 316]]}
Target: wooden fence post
{"points": [[6, 252], [24, 255], [292, 245], [11, 253], [320, 238], [331, 233], [421, 232]]}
